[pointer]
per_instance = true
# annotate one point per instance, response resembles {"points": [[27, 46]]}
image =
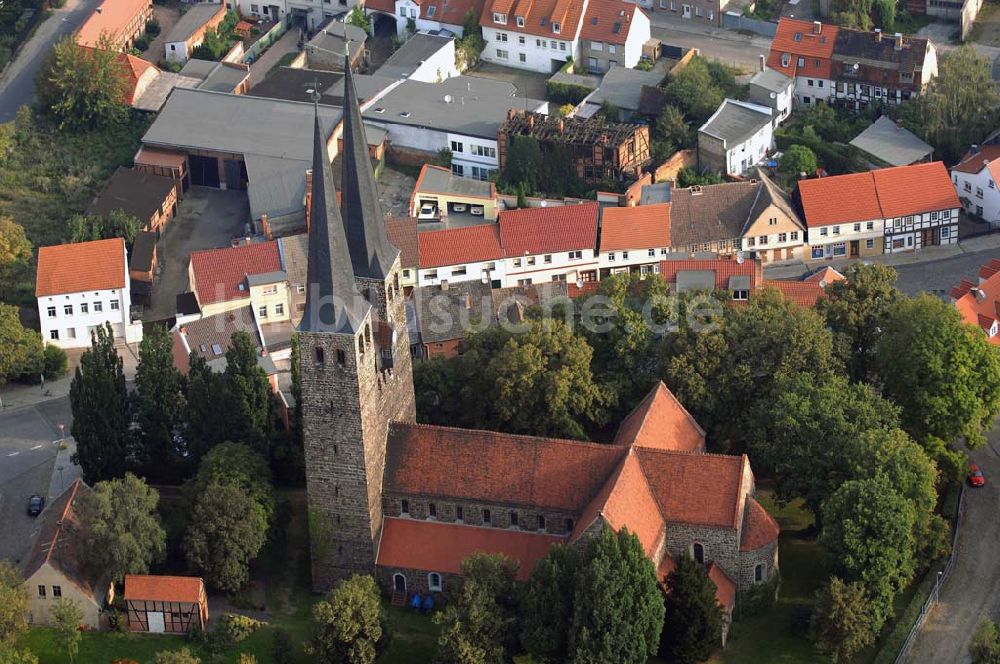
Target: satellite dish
{"points": [[579, 283], [485, 278], [739, 257], [856, 66], [448, 99], [773, 95]]}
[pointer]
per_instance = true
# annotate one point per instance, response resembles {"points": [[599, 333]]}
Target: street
{"points": [[17, 83], [726, 46]]}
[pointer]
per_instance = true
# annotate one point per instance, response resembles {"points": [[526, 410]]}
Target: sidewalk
{"points": [[62, 479]]}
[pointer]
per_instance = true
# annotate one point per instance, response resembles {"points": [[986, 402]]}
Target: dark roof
{"points": [[291, 84], [143, 250], [712, 212], [770, 194], [403, 235], [371, 252], [211, 337], [652, 99], [736, 121], [851, 45], [138, 194], [187, 304], [446, 314]]}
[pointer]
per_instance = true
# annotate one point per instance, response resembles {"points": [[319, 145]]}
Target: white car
{"points": [[458, 207], [427, 211], [476, 210]]}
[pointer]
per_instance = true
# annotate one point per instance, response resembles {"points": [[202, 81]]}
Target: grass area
{"points": [[414, 637], [911, 24]]}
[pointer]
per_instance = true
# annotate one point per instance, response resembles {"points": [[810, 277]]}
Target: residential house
{"points": [[165, 604], [705, 12], [538, 35], [889, 210], [979, 301], [326, 48], [550, 244], [803, 51], [189, 31], [773, 229], [117, 22], [423, 57], [469, 253], [453, 198], [152, 199], [885, 143], [210, 337], [738, 278], [55, 571], [234, 277], [975, 179], [82, 286], [737, 137], [598, 150], [427, 15], [773, 89], [633, 239], [612, 35]]}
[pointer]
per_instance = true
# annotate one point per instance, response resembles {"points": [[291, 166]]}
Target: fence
{"points": [[271, 36], [943, 575], [735, 21]]}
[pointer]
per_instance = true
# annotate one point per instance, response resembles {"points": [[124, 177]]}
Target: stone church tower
{"points": [[355, 359]]}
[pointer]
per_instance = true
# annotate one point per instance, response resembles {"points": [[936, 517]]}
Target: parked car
{"points": [[427, 211], [476, 210], [35, 505], [976, 477]]}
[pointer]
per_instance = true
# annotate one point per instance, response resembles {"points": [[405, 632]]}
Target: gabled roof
{"points": [[402, 233], [839, 199], [534, 231], [891, 143], [987, 156], [446, 314], [803, 293], [193, 20], [210, 337], [638, 227], [799, 38], [722, 270], [825, 276], [712, 212], [680, 483], [539, 15], [458, 246], [736, 121], [220, 274], [111, 17], [877, 50], [132, 69], [80, 267], [725, 587], [608, 21], [164, 588], [660, 421], [979, 303], [767, 195], [906, 190], [759, 527]]}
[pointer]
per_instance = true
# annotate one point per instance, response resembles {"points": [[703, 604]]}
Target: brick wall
{"points": [[472, 513]]}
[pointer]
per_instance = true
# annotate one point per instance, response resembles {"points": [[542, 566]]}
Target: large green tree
{"points": [[692, 627], [250, 421], [123, 534], [159, 402], [13, 603], [523, 164], [843, 622], [349, 623], [21, 346], [798, 159], [101, 412], [15, 260], [546, 607], [66, 616], [618, 607], [208, 409], [944, 374], [84, 87], [236, 465], [693, 91]]}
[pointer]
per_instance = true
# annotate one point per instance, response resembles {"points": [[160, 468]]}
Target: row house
{"points": [[613, 34], [538, 35], [890, 210], [975, 179], [802, 50], [427, 15], [118, 23], [979, 301], [634, 238]]}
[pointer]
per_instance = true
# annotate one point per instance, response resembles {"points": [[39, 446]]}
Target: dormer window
{"points": [[499, 18], [520, 21], [993, 329], [556, 27]]}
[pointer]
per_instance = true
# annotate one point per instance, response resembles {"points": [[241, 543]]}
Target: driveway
{"points": [[167, 17], [726, 46], [973, 589], [527, 83], [17, 82], [206, 219]]}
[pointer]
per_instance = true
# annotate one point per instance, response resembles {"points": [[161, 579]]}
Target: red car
{"points": [[976, 477]]}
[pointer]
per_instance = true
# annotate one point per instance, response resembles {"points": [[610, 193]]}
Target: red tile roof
{"points": [[219, 273], [979, 304], [661, 422], [457, 246], [164, 588], [724, 268], [915, 189], [639, 227], [534, 231], [987, 156], [80, 267], [60, 540], [441, 547], [798, 39], [402, 232], [991, 268], [132, 70], [111, 17], [825, 275], [608, 21], [759, 527], [704, 489], [387, 6], [451, 12], [839, 199], [497, 467], [565, 12], [725, 588], [802, 293]]}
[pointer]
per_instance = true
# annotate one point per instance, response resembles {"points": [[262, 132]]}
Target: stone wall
{"points": [[721, 545], [416, 582], [473, 513], [748, 561]]}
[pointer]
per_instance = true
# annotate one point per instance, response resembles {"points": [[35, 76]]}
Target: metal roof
{"points": [[772, 80], [892, 144], [736, 121], [190, 21], [695, 280], [622, 87], [443, 181]]}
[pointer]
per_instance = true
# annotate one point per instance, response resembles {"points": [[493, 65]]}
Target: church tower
{"points": [[354, 357]]}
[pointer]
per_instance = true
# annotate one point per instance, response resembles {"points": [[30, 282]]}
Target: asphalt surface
{"points": [[17, 82], [939, 276], [715, 43]]}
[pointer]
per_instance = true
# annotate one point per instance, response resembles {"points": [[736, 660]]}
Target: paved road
{"points": [[973, 589], [716, 43], [940, 275], [17, 83]]}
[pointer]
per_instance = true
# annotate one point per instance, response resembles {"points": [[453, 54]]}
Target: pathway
{"points": [[289, 43]]}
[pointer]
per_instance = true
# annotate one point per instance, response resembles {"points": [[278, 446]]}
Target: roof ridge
{"points": [[519, 436], [714, 455], [741, 507], [62, 519]]}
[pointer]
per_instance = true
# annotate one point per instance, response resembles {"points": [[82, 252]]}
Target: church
{"points": [[408, 502]]}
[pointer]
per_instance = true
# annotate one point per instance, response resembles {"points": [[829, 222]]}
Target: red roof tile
{"points": [[826, 275], [798, 39], [991, 268], [565, 12], [497, 467], [402, 232], [534, 231], [705, 489], [639, 227], [661, 422], [725, 588], [915, 189], [839, 199], [802, 293], [80, 267], [961, 289], [608, 21], [979, 304], [441, 547], [458, 246], [724, 268], [451, 12], [759, 527], [112, 17], [387, 6], [164, 588], [983, 157], [219, 273]]}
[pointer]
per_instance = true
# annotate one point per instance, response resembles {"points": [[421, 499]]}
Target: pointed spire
{"points": [[332, 301], [371, 251]]}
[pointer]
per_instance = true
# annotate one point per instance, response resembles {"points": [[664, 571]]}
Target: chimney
{"points": [[899, 41], [878, 35], [817, 27], [99, 10], [761, 61], [266, 225]]}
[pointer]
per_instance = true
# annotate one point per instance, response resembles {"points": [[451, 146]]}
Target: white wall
{"points": [[820, 89], [439, 66], [631, 258], [751, 150], [74, 329], [176, 52], [539, 271], [904, 234], [473, 272], [638, 34], [536, 57], [990, 202], [823, 237]]}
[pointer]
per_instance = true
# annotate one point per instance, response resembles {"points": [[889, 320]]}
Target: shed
{"points": [[149, 197], [142, 262], [165, 604], [892, 145]]}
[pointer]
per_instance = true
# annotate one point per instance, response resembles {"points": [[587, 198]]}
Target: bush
{"points": [[759, 598], [55, 362], [237, 628], [141, 44], [152, 27], [281, 647], [798, 159], [566, 93]]}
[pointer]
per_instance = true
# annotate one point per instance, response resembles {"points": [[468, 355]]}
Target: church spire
{"points": [[371, 252], [332, 302]]}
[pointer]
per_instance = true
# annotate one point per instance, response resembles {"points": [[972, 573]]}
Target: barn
{"points": [[165, 604]]}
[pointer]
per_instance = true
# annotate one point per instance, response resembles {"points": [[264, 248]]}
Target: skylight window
{"points": [[617, 28], [431, 10], [379, 109], [798, 36]]}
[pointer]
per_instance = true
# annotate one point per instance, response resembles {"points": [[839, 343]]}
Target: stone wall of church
{"points": [[721, 545], [417, 581], [766, 556], [474, 513]]}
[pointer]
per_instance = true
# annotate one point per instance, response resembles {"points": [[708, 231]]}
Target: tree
{"points": [[182, 656], [523, 163], [100, 404], [480, 624], [546, 606], [868, 532], [159, 403], [693, 91], [689, 177], [227, 529], [855, 310], [692, 627], [117, 223], [66, 616], [618, 607], [985, 646], [944, 375], [15, 259], [349, 623], [11, 655], [672, 128], [358, 18], [13, 603], [236, 465], [250, 420], [123, 534], [798, 159], [843, 622], [208, 408], [20, 345], [84, 87]]}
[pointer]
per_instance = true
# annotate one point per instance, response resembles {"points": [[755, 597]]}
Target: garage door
{"points": [[204, 171], [155, 619]]}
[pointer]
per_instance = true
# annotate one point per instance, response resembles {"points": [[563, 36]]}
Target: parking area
{"points": [[394, 189], [206, 219], [528, 83], [166, 16]]}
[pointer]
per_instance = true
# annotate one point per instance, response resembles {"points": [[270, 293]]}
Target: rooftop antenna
{"points": [[313, 92]]}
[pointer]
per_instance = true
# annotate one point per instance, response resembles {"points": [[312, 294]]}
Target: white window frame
{"points": [[431, 585]]}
